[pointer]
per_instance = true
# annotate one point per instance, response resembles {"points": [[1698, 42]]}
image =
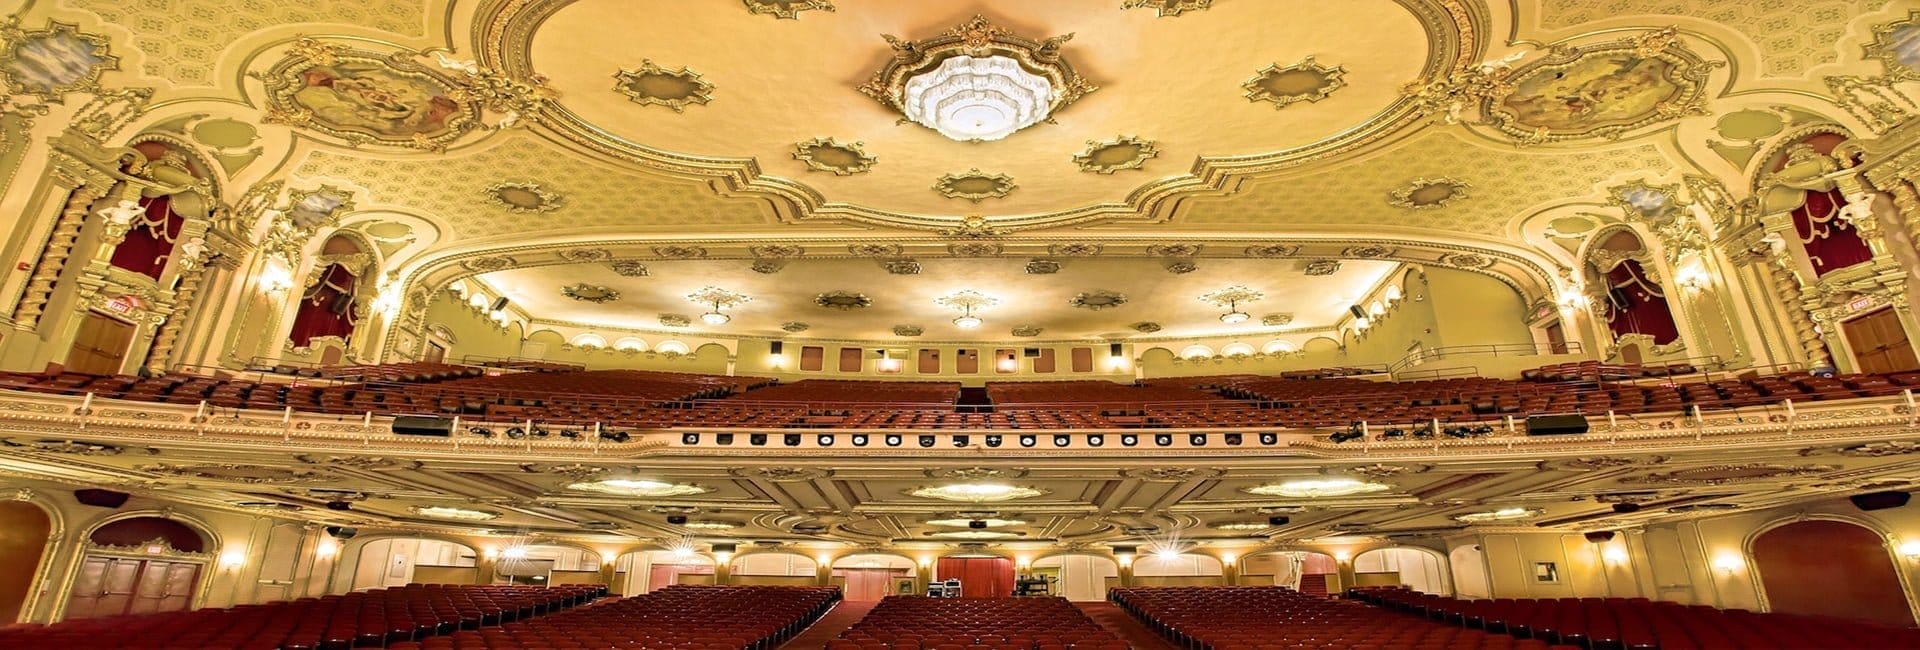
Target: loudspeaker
{"points": [[414, 425], [677, 520], [1113, 349], [1880, 500], [1599, 536], [342, 532], [340, 505], [1626, 508], [1279, 520], [723, 438], [1357, 311], [719, 547], [498, 305], [100, 498], [1030, 352], [1556, 425], [777, 347]]}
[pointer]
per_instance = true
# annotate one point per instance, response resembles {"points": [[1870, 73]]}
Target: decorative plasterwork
{"points": [[1603, 90], [1645, 201], [1317, 488], [1319, 268], [1369, 252], [1466, 260], [680, 252], [974, 226], [794, 326], [1178, 267], [1241, 526], [458, 514], [717, 297], [1503, 514], [629, 268], [842, 300], [902, 266], [331, 89], [652, 85], [1145, 327], [831, 156], [524, 198], [976, 473], [156, 547], [1042, 267], [1733, 473], [73, 447], [1075, 249], [977, 38], [711, 524], [976, 492], [1167, 8], [908, 330], [1276, 320], [1098, 299], [586, 255], [593, 293], [1305, 81], [1269, 251], [1026, 331], [1172, 474], [50, 62], [235, 473], [1122, 152], [639, 488], [675, 320], [974, 185], [768, 266], [777, 251], [787, 9], [966, 299], [1428, 193], [876, 250], [1231, 295], [782, 474], [1893, 45]]}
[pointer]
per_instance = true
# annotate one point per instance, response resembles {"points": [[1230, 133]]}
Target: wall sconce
{"points": [[1228, 558], [1910, 550], [275, 277], [514, 553], [232, 559], [325, 549], [1691, 277], [1125, 559], [1727, 563], [824, 560], [1614, 555], [491, 553], [1342, 557], [1116, 362], [1572, 300], [777, 361], [721, 558]]}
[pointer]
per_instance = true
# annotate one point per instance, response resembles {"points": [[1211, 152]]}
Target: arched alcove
{"points": [[547, 564], [1079, 577], [773, 569], [1418, 569], [1305, 571], [873, 576], [396, 561], [139, 565], [1830, 568], [639, 572], [335, 295], [24, 529], [981, 575], [1469, 568], [1185, 569]]}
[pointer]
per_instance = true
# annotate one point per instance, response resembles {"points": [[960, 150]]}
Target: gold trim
{"points": [[787, 9], [690, 88], [968, 185], [809, 152], [1091, 158], [1331, 78]]}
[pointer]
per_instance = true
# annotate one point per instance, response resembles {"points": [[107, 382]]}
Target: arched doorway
{"points": [[1079, 577], [789, 569], [24, 529], [1304, 571], [1177, 570], [639, 572], [546, 564], [397, 561], [138, 565], [874, 576], [980, 576], [1469, 567], [1830, 568], [1419, 569]]}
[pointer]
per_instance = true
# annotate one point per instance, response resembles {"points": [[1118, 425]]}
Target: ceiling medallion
{"points": [[1145, 327], [1276, 320], [768, 266], [843, 301], [1249, 525], [1601, 90], [1042, 267], [1231, 297], [1316, 488], [1306, 81], [1724, 474], [787, 9], [48, 63], [1321, 267], [446, 512], [902, 267], [966, 301], [795, 326], [1369, 252], [1428, 193], [1167, 8], [1098, 299], [974, 249], [974, 185], [1466, 260], [680, 252], [586, 255], [1272, 250], [1078, 249], [908, 330], [976, 492], [1180, 267], [977, 82], [652, 85], [629, 268], [876, 250], [1503, 514], [1173, 250], [720, 299], [777, 251], [524, 198], [1026, 330], [675, 320], [592, 293], [827, 155], [1122, 152], [630, 487]]}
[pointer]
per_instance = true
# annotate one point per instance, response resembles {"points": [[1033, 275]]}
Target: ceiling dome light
{"points": [[1313, 488], [446, 512], [639, 488], [967, 322], [972, 98], [1232, 317], [715, 318], [976, 492]]}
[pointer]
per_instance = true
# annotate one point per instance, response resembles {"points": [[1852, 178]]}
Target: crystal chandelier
{"points": [[966, 301], [1231, 297], [720, 299], [978, 98]]}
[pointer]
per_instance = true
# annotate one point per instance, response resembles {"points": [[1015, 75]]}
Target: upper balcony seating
{"points": [[1098, 393], [376, 618], [838, 391], [399, 373], [921, 623], [1637, 623], [1263, 618], [690, 617]]}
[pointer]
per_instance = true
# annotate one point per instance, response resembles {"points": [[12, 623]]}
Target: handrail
{"points": [[1490, 349]]}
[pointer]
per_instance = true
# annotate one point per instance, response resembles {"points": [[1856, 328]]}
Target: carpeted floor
{"points": [[837, 620], [1116, 620]]}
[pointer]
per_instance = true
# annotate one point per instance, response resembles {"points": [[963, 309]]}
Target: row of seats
{"points": [[1110, 395], [1640, 624], [680, 617], [844, 391], [922, 623], [364, 619], [1595, 370], [1278, 618]]}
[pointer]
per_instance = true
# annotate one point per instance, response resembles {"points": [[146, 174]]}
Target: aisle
{"points": [[837, 620], [1122, 625]]}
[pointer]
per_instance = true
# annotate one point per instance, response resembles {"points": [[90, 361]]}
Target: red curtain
{"points": [[1831, 242], [150, 242], [326, 308], [980, 577], [1636, 305]]}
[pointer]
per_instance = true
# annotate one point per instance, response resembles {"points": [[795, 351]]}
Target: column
{"points": [[53, 261]]}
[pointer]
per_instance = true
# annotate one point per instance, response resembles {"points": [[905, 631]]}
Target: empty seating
{"points": [[921, 623], [1272, 618], [690, 617]]}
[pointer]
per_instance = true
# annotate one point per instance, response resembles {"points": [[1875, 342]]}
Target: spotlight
{"points": [[1482, 430], [516, 433], [1162, 439], [757, 439], [1352, 433], [1129, 440], [893, 440], [620, 436], [538, 432], [1269, 438], [1096, 440], [792, 439], [825, 439], [1028, 440], [1197, 439], [570, 434], [481, 431], [1424, 431], [1456, 432], [961, 441], [1278, 520], [723, 438], [689, 438], [926, 441], [977, 524], [1395, 433], [1232, 439], [994, 440], [339, 505], [859, 440], [677, 520], [1062, 441]]}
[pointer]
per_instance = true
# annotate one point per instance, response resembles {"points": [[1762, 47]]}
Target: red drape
{"points": [[150, 242], [1636, 305], [326, 308], [1831, 242], [980, 577]]}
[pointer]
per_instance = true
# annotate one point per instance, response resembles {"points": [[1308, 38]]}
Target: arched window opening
{"points": [[330, 304]]}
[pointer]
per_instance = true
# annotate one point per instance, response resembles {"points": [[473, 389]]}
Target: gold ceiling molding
{"points": [[1098, 299], [50, 62], [1167, 8], [787, 9], [841, 300], [1320, 268], [629, 268], [1122, 152], [652, 85], [974, 185], [1026, 331], [1599, 91], [592, 293], [524, 198], [1042, 267], [365, 97], [1428, 193], [834, 157], [978, 38], [1305, 81], [1456, 33], [1889, 39]]}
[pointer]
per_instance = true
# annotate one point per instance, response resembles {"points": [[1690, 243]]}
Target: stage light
{"points": [[1163, 439], [961, 441], [824, 439], [792, 439], [994, 440], [723, 438], [1269, 438], [893, 440], [689, 438], [757, 439], [1062, 440], [1096, 440], [1197, 439], [481, 431], [1028, 440], [926, 441], [1129, 440], [1232, 439], [859, 440]]}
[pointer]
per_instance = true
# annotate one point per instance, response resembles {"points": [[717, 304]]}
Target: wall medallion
{"points": [[629, 268], [51, 62], [1123, 152], [674, 320], [974, 185], [592, 293], [908, 330], [1306, 81], [361, 96], [794, 326], [837, 158], [652, 85], [902, 267], [1602, 90]]}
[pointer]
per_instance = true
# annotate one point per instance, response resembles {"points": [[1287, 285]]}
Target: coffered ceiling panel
{"points": [[184, 40]]}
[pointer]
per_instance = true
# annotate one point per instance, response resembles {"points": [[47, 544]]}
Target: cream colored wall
{"points": [[773, 564], [1081, 577], [1418, 570], [473, 333], [1475, 309]]}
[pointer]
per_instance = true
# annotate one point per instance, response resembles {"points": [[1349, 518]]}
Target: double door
{"points": [[113, 586], [1879, 343]]}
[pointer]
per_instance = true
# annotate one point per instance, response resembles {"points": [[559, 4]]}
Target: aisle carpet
{"points": [[1117, 620], [837, 620]]}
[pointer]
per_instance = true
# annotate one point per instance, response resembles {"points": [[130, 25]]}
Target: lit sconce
{"points": [[722, 557], [1009, 364], [1117, 362], [326, 549], [1910, 550], [387, 301], [887, 363], [1125, 559], [1691, 276], [1342, 556], [777, 361], [492, 553], [683, 551], [1167, 553], [1572, 299], [824, 560], [1614, 555], [515, 553], [275, 277], [232, 559], [1727, 563], [1228, 558]]}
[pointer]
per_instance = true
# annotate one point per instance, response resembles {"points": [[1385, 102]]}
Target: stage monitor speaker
{"points": [[498, 305], [1357, 311], [342, 532], [1600, 536], [100, 498], [1279, 520], [777, 347], [1113, 349], [1880, 500], [1556, 425], [413, 425]]}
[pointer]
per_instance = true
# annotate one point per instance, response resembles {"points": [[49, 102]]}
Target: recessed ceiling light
{"points": [[1241, 525], [976, 492], [1503, 514], [973, 534], [639, 488], [963, 523], [1326, 487], [446, 512], [711, 525]]}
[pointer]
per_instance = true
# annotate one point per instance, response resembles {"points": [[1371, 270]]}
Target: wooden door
{"points": [[436, 353], [100, 346], [112, 586], [1879, 343]]}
